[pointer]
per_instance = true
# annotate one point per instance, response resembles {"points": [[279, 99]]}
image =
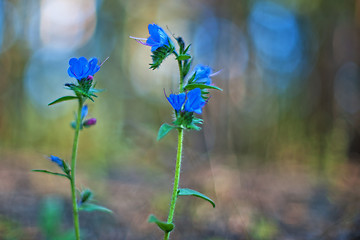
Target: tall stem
{"points": [[176, 180], [73, 170], [181, 86]]}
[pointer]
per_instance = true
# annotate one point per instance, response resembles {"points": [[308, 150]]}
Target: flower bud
{"points": [[89, 122]]}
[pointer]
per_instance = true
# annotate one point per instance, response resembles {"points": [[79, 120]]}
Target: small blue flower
{"points": [[158, 38], [57, 160], [82, 68], [194, 101], [177, 100], [203, 74], [84, 112]]}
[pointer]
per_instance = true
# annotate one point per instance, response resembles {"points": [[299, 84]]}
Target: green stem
{"points": [[181, 86], [73, 169], [176, 180]]}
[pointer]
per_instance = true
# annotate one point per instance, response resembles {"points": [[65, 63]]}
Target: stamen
{"points": [[216, 73], [136, 38]]}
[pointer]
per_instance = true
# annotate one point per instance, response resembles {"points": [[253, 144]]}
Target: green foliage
{"points": [[188, 121], [62, 99], [183, 57], [85, 203], [159, 55], [10, 229], [90, 207], [166, 227], [52, 173], [190, 192], [86, 196], [191, 86], [164, 130], [81, 91], [50, 221], [264, 229]]}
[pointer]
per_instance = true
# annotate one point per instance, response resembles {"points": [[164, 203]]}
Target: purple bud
{"points": [[89, 122], [90, 78]]}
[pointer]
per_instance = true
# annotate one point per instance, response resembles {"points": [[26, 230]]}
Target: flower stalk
{"points": [[192, 97], [73, 171], [176, 180]]}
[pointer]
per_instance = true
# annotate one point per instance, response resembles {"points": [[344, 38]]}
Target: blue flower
{"points": [[158, 38], [194, 101], [177, 100], [57, 160], [82, 68], [84, 112], [202, 74]]}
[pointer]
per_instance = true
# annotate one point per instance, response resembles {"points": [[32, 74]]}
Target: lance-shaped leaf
{"points": [[52, 173], [164, 130], [166, 227], [190, 192], [89, 207], [191, 86], [183, 57], [62, 99]]}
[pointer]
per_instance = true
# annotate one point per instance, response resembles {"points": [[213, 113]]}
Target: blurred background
{"points": [[279, 149]]}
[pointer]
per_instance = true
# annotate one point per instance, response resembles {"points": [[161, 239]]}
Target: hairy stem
{"points": [[73, 168], [181, 86], [176, 180]]}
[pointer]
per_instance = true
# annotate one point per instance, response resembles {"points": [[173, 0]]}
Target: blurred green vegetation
{"points": [[290, 107]]}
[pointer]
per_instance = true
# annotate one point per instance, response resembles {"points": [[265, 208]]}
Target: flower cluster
{"points": [[193, 95]]}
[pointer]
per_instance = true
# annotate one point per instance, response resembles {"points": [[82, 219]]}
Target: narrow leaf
{"points": [[190, 192], [166, 227], [89, 207], [164, 129], [201, 86], [62, 99], [52, 173], [187, 48], [183, 57]]}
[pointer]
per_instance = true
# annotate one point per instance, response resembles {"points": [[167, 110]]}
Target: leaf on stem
{"points": [[166, 227], [164, 130], [191, 86], [86, 196], [183, 57], [89, 207], [62, 99], [52, 173], [190, 192]]}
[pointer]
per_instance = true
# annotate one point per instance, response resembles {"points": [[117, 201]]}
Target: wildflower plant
{"points": [[192, 97], [83, 71]]}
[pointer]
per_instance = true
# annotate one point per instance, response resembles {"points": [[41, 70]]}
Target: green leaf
{"points": [[89, 207], [164, 129], [201, 86], [86, 196], [187, 48], [166, 227], [183, 57], [159, 55], [62, 99], [190, 192], [53, 173]]}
